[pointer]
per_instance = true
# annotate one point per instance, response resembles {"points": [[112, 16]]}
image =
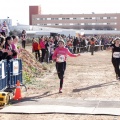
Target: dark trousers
{"points": [[37, 54], [116, 64], [74, 49], [23, 43], [43, 54], [92, 49], [60, 67]]}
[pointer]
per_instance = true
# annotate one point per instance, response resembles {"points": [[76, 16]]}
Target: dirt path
{"points": [[87, 77]]}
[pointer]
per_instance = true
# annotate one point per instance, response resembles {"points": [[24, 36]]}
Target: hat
{"points": [[61, 40], [117, 38]]}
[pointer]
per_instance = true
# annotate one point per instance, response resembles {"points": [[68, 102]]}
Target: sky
{"points": [[18, 10]]}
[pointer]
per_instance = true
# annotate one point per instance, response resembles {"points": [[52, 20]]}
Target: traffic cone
{"points": [[17, 91]]}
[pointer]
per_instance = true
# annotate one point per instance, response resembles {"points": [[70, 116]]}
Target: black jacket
{"points": [[3, 55]]}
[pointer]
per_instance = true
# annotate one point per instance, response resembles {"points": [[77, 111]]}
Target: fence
{"points": [[10, 72]]}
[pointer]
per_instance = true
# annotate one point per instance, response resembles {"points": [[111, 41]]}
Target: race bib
{"points": [[61, 58], [116, 55]]}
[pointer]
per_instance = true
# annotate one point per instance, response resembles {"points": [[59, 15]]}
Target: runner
{"points": [[60, 55], [116, 56]]}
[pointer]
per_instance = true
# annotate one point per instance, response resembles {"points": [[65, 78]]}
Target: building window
{"points": [[48, 18], [82, 18], [93, 18], [41, 18], [59, 18], [82, 23], [87, 18], [113, 17], [105, 23], [74, 18], [113, 23], [71, 24], [56, 24], [71, 18], [104, 17], [60, 23], [89, 23], [48, 24], [86, 23], [67, 18], [98, 18], [63, 18], [108, 17], [37, 18], [93, 23]]}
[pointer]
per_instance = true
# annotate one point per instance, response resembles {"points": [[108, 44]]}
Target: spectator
{"points": [[14, 46], [36, 48], [24, 37], [43, 49], [8, 46]]}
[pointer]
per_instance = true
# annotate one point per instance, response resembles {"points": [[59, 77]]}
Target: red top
{"points": [[35, 46]]}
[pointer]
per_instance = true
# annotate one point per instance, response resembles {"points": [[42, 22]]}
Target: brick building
{"points": [[93, 21]]}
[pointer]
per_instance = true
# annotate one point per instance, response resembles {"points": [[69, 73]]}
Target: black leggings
{"points": [[37, 54], [43, 54], [60, 67], [116, 64], [23, 43]]}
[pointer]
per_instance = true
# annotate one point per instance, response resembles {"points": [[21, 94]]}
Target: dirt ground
{"points": [[86, 77]]}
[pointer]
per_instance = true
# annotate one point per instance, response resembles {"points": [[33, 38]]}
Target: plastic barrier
{"points": [[3, 74], [15, 72]]}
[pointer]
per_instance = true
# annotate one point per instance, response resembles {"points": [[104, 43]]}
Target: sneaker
{"points": [[60, 90]]}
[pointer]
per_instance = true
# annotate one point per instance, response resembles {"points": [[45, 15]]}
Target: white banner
{"points": [[15, 68], [3, 71]]}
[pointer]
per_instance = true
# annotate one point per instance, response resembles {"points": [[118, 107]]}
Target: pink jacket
{"points": [[62, 51], [42, 44], [15, 48]]}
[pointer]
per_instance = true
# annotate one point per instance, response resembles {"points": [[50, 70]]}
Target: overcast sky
{"points": [[18, 10]]}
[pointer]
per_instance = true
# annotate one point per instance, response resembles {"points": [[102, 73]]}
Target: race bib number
{"points": [[61, 58], [116, 55]]}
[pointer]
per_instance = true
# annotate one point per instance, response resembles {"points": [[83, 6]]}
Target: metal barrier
{"points": [[15, 72], [3, 74], [10, 72]]}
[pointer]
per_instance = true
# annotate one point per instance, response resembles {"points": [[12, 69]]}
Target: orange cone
{"points": [[17, 91]]}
